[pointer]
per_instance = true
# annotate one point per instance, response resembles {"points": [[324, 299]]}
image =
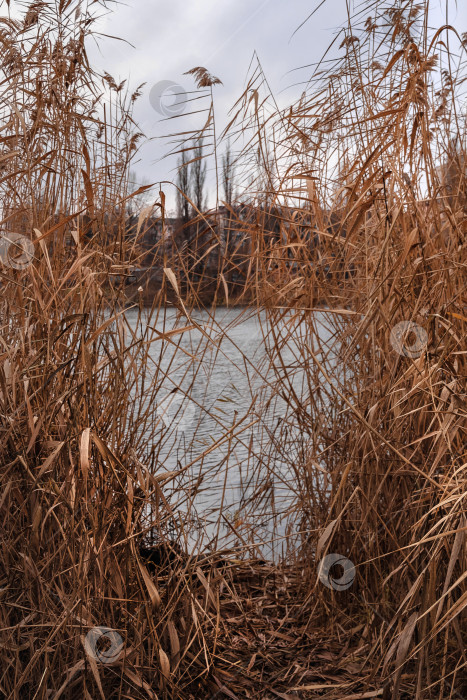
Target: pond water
{"points": [[217, 417]]}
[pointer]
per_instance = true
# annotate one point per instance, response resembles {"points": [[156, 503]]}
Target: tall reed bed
{"points": [[369, 176], [356, 257], [78, 393]]}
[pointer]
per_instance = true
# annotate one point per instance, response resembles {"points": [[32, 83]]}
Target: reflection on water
{"points": [[216, 419]]}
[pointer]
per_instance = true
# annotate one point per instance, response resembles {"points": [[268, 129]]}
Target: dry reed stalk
{"points": [[354, 224], [376, 237], [79, 393]]}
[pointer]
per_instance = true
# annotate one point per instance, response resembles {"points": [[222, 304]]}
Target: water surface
{"points": [[218, 414]]}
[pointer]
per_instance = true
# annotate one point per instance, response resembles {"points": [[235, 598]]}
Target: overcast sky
{"points": [[165, 39], [159, 41]]}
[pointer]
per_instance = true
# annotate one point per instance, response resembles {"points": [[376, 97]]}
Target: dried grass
{"points": [[358, 223]]}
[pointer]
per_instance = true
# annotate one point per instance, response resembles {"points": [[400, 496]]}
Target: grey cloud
{"points": [[169, 38]]}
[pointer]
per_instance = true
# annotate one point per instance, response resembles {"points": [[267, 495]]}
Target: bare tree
{"points": [[183, 189], [228, 175], [198, 176]]}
